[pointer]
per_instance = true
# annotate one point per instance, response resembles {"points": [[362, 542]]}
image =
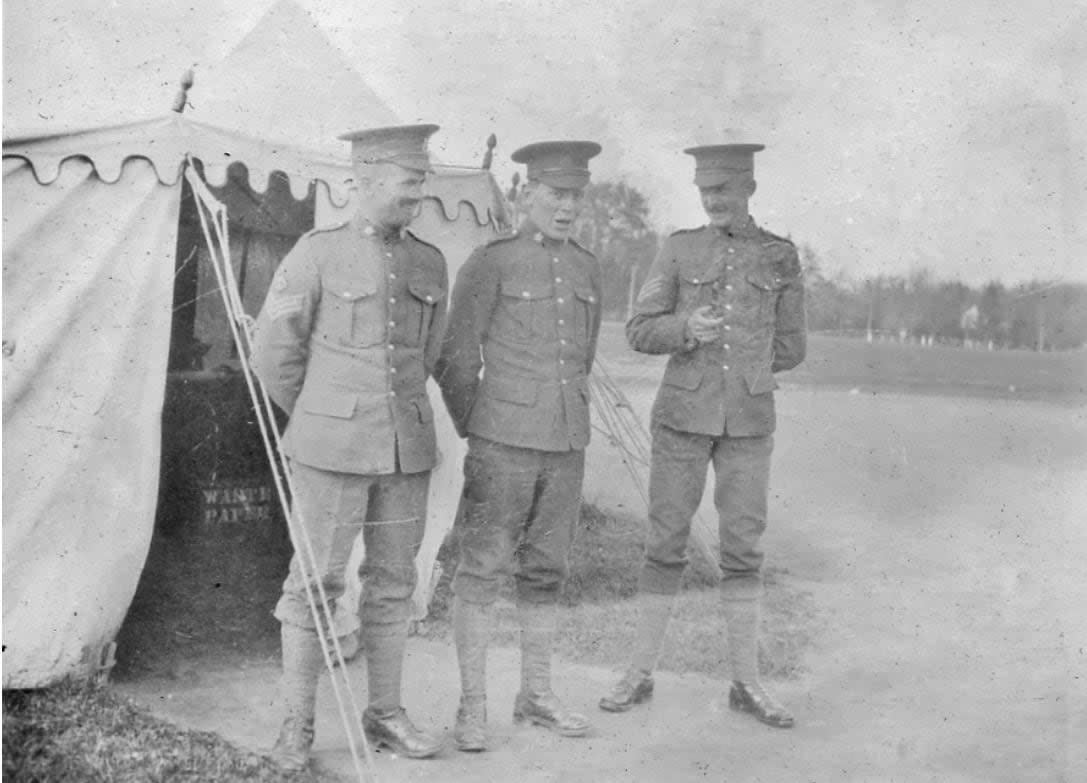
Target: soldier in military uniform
{"points": [[344, 343], [514, 366], [727, 302]]}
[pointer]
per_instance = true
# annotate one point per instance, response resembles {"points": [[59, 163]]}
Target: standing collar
{"points": [[368, 229], [531, 231], [745, 230]]}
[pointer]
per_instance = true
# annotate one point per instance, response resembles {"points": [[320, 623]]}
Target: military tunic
{"points": [[752, 279], [513, 369], [716, 403], [521, 340], [344, 343]]}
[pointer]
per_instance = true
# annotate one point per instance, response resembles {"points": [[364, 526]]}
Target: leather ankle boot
{"points": [[752, 698], [634, 688], [536, 702], [292, 749], [545, 709], [470, 730], [396, 732]]}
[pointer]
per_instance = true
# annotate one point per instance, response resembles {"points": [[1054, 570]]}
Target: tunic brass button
{"points": [[392, 323], [392, 300], [728, 327], [727, 346], [561, 322], [724, 367], [731, 250], [728, 307], [695, 280], [524, 294], [429, 298], [728, 286], [392, 275], [346, 294], [560, 300]]}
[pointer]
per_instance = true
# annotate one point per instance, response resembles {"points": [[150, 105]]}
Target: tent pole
{"points": [[241, 326]]}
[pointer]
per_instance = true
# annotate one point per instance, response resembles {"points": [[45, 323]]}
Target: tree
{"points": [[992, 313], [826, 299], [614, 224], [948, 302]]}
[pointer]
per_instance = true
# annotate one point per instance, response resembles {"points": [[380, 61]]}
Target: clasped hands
{"points": [[703, 325]]}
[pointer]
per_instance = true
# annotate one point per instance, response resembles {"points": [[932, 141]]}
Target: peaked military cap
{"points": [[404, 145], [560, 164], [714, 163]]}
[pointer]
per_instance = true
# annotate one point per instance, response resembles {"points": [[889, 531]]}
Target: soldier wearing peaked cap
{"points": [[344, 343], [726, 301], [514, 366]]}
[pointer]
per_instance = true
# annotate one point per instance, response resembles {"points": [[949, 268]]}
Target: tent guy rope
{"points": [[217, 236], [625, 431]]}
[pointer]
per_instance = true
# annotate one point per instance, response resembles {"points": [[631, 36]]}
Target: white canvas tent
{"points": [[92, 221], [90, 236]]}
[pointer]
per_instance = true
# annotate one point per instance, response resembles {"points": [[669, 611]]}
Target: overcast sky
{"points": [[899, 134]]}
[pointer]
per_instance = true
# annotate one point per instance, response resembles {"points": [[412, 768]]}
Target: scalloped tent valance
{"points": [[166, 142], [96, 234]]}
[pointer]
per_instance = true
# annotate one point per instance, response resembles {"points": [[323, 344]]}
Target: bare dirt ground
{"points": [[942, 540]]}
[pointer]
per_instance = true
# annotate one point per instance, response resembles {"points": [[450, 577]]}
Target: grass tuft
{"points": [[83, 732]]}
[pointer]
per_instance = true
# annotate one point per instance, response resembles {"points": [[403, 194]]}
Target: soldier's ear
{"points": [[751, 186], [525, 195]]}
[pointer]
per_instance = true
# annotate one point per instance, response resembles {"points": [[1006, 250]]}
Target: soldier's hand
{"points": [[703, 325]]}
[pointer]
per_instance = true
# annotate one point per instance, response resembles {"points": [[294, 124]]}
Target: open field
{"points": [[850, 363]]}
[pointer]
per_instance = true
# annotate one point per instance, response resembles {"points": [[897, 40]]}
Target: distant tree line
{"points": [[1039, 315], [918, 307]]}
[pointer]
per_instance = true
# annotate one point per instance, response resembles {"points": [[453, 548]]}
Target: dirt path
{"points": [[943, 543]]}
